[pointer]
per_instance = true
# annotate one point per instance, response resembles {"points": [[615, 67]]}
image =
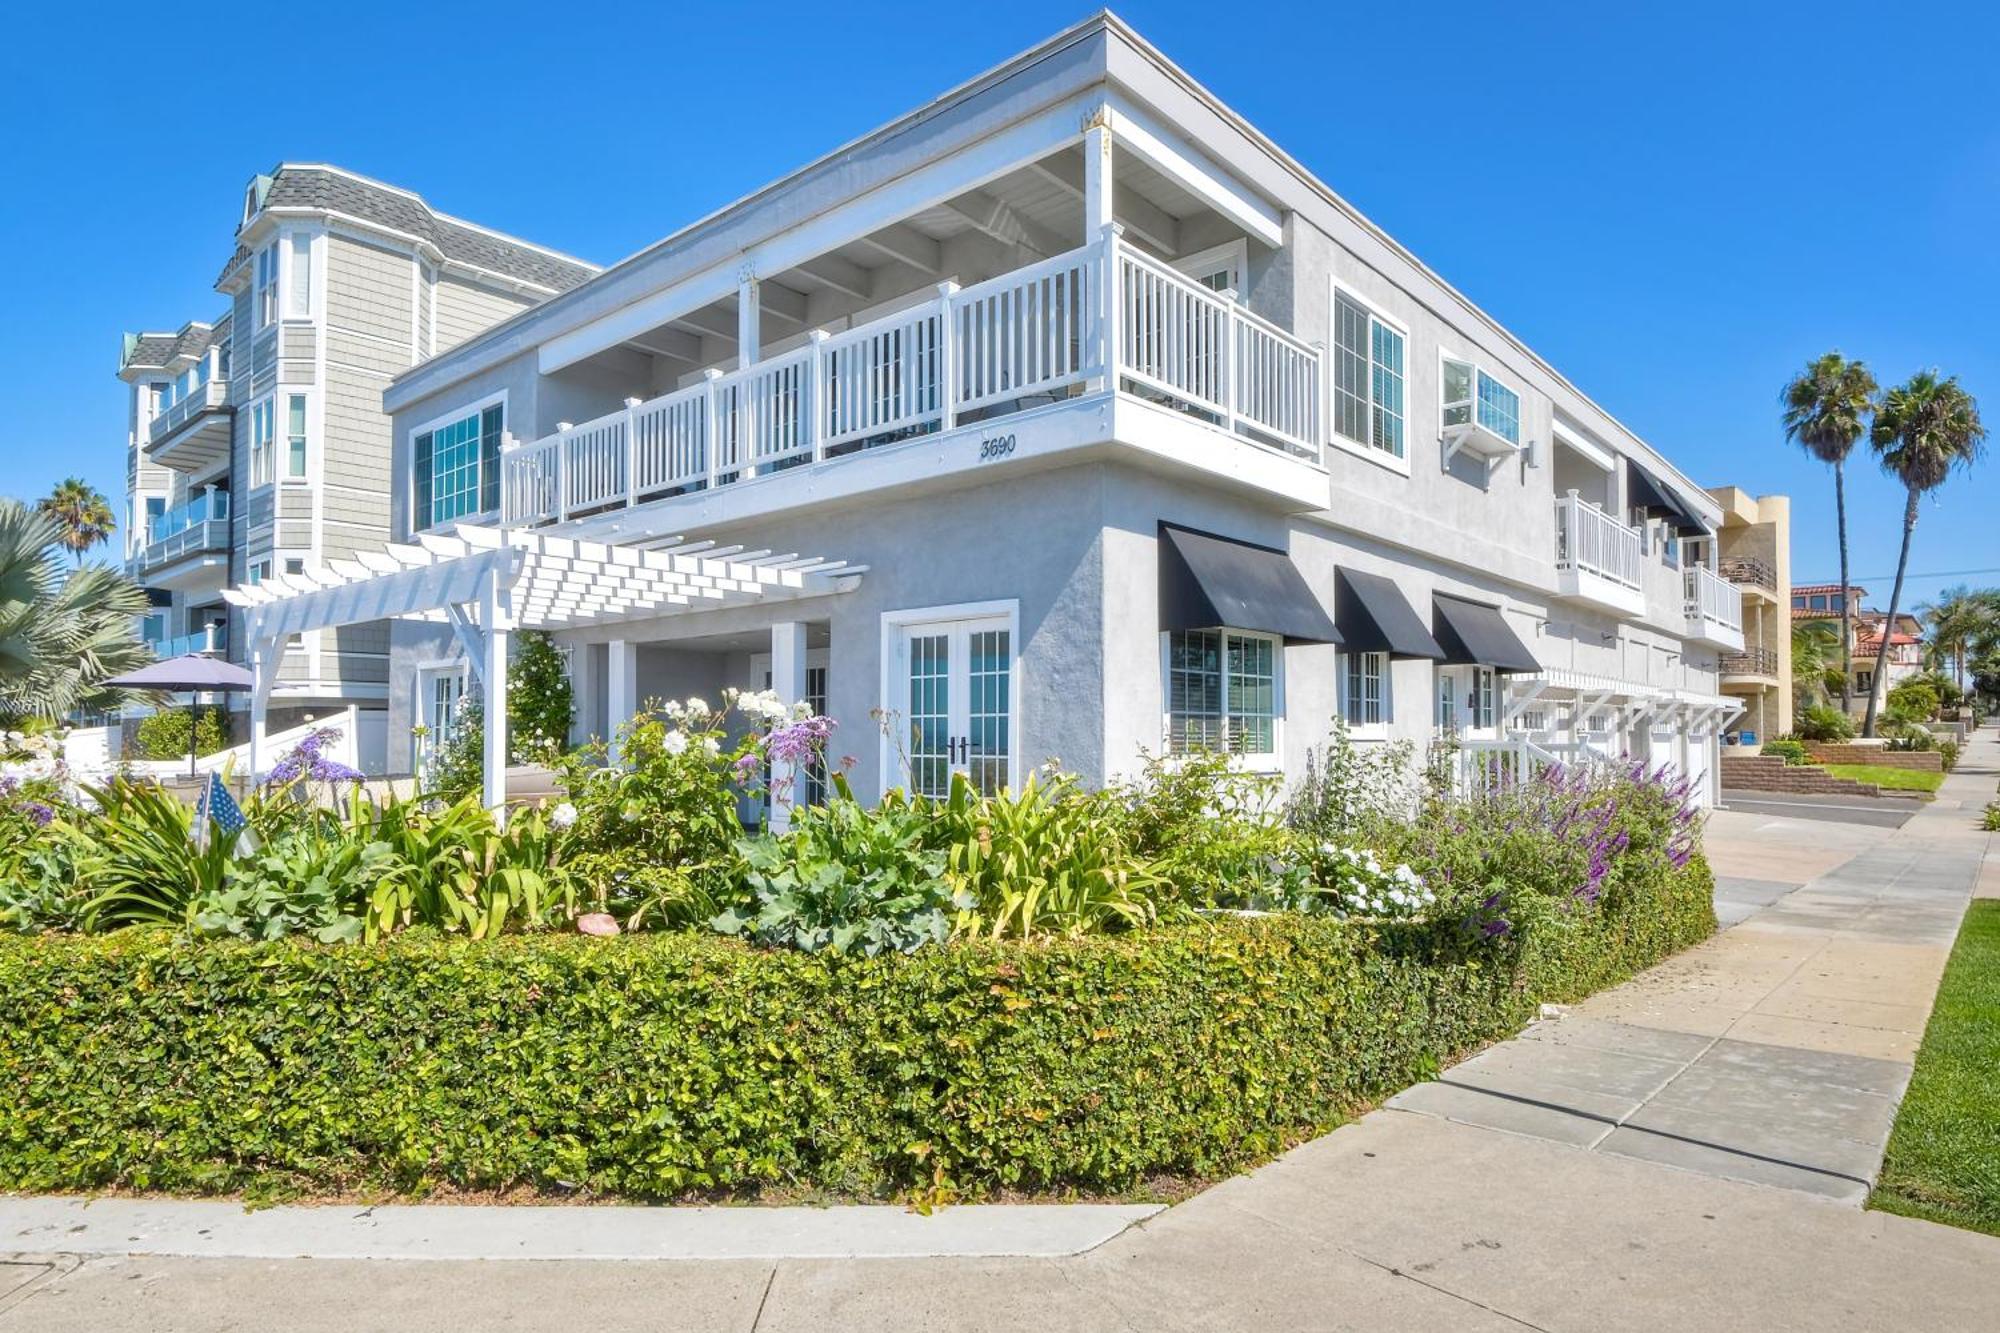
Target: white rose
{"points": [[711, 746], [563, 815], [676, 742]]}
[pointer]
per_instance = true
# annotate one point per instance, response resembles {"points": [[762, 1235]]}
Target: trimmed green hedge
{"points": [[660, 1066]]}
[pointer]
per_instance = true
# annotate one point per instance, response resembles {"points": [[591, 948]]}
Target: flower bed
{"points": [[1051, 989]]}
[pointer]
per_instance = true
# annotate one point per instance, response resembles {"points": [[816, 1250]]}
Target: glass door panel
{"points": [[929, 700], [989, 748], [956, 695]]}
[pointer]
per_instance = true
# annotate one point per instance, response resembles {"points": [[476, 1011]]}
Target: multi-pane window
{"points": [[1470, 394], [1367, 377], [1363, 706], [298, 298], [1222, 692], [295, 435], [457, 468], [267, 286], [262, 429]]}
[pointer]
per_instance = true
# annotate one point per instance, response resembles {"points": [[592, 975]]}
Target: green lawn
{"points": [[1890, 779], [1944, 1153]]}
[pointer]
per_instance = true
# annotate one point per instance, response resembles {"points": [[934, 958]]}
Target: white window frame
{"points": [[475, 408], [1397, 463], [1480, 371], [1254, 761], [896, 623], [300, 286], [263, 441], [304, 437], [1475, 694], [1231, 258], [265, 290], [1385, 702]]}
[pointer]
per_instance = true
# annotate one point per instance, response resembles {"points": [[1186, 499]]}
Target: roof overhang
{"points": [[551, 583]]}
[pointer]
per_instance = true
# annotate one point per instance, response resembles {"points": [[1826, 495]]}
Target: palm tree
{"points": [[61, 631], [1815, 652], [1923, 429], [1825, 409], [1957, 620], [83, 516]]}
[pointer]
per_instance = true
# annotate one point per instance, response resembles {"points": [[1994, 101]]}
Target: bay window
{"points": [[1471, 396], [457, 467], [1367, 378], [1222, 692]]}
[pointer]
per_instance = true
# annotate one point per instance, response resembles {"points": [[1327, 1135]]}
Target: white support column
{"points": [[621, 689], [788, 679], [265, 654], [496, 619], [749, 322], [1096, 181]]}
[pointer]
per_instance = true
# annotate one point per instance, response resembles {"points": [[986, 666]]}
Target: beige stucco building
{"points": [[1755, 554]]}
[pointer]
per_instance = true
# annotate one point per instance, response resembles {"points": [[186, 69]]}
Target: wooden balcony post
{"points": [[631, 451], [1108, 304], [1097, 183], [948, 354]]}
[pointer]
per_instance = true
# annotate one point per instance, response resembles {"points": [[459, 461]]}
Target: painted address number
{"points": [[995, 446]]}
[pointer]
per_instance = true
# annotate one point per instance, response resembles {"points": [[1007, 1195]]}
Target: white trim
{"points": [[1193, 170], [1573, 439], [450, 418], [897, 622]]}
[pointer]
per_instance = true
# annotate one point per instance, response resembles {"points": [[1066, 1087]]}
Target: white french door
{"points": [[952, 689]]}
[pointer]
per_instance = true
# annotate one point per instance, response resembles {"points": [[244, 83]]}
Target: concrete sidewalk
{"points": [[1809, 1008], [1778, 1051]]}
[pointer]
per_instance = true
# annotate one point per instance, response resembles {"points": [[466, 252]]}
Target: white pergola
{"points": [[487, 582]]}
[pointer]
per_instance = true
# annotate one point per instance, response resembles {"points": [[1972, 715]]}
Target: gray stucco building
{"points": [[1066, 418]]}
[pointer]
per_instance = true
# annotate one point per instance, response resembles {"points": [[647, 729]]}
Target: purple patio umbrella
{"points": [[194, 675]]}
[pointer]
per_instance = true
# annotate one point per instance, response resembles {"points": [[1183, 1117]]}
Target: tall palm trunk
{"points": [[1846, 613], [1875, 686]]}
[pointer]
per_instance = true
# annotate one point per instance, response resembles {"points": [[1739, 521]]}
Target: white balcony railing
{"points": [[210, 395], [1593, 542], [1027, 338], [1712, 598]]}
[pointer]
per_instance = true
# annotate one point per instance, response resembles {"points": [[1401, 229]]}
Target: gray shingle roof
{"points": [[336, 191], [160, 349]]}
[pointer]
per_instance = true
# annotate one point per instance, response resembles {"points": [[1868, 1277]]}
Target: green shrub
{"points": [[1948, 751], [540, 702], [164, 735], [658, 1066], [1209, 829], [1912, 700], [1825, 723], [1990, 820], [1791, 750]]}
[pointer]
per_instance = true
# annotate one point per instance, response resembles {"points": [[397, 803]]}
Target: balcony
{"points": [[1750, 574], [1219, 390], [192, 435], [1750, 666], [187, 547], [213, 640], [1598, 559], [1714, 609]]}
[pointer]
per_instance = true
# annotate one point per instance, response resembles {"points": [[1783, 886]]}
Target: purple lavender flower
{"points": [[307, 762], [42, 814]]}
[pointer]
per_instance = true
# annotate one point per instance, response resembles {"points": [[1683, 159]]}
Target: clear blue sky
{"points": [[1676, 205]]}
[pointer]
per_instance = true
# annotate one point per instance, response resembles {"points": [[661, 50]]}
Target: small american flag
{"points": [[216, 806]]}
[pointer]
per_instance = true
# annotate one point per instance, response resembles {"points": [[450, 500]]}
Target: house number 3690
{"points": [[996, 446]]}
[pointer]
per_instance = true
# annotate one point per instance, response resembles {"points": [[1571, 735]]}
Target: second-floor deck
{"points": [[192, 434], [187, 547], [1599, 560], [1714, 609], [1102, 320]]}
